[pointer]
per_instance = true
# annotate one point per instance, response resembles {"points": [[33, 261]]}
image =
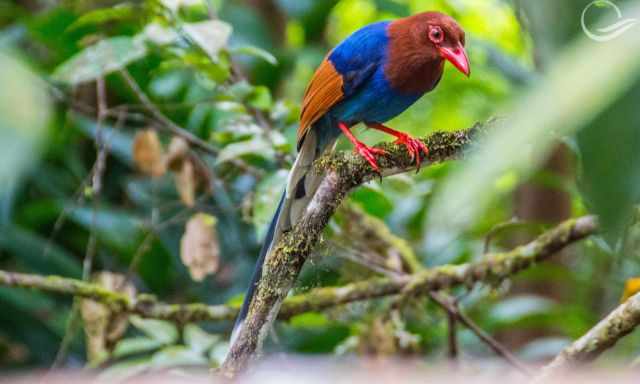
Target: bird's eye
{"points": [[436, 35]]}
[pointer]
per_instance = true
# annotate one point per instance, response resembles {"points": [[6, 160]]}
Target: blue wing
{"points": [[359, 56]]}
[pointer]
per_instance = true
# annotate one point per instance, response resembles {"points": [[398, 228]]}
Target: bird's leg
{"points": [[414, 146], [365, 151]]}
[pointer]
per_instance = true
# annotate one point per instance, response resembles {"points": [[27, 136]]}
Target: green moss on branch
{"points": [[493, 267], [604, 335]]}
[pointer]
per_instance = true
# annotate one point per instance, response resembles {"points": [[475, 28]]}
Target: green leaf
{"points": [[209, 72], [176, 5], [38, 253], [124, 11], [24, 112], [373, 200], [197, 339], [517, 308], [321, 339], [236, 300], [135, 345], [309, 320], [255, 52], [39, 306], [177, 355], [101, 59], [162, 331], [120, 142], [119, 228], [159, 34], [211, 36], [122, 371], [609, 156], [544, 349], [168, 85], [256, 147], [260, 98], [240, 90]]}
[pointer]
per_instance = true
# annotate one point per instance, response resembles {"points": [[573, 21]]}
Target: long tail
{"points": [[257, 271], [301, 187]]}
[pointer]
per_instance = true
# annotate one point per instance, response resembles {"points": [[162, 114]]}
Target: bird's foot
{"points": [[414, 146], [369, 154]]}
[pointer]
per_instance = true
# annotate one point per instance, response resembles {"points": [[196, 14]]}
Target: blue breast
{"points": [[375, 102], [368, 96]]}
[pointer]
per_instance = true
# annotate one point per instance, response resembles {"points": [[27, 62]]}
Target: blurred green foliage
{"points": [[232, 73]]}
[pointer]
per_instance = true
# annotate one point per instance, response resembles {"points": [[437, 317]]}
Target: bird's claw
{"points": [[415, 147], [369, 154]]}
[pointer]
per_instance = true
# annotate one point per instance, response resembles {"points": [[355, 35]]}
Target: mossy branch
{"points": [[143, 305], [494, 267], [604, 335], [343, 172]]}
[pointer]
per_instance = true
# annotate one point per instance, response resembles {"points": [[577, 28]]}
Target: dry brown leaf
{"points": [[190, 172], [102, 326], [177, 154], [186, 183], [148, 153], [199, 246]]}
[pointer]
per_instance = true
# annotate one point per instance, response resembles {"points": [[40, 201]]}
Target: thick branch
{"points": [[619, 323], [343, 172]]}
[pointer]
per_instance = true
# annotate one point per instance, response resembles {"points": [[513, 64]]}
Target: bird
{"points": [[372, 76]]}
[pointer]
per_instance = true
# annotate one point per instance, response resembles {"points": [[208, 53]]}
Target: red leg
{"points": [[414, 146], [365, 151]]}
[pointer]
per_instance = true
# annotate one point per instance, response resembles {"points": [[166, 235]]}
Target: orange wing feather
{"points": [[323, 92]]}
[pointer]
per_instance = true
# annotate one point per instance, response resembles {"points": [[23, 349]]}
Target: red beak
{"points": [[458, 57]]}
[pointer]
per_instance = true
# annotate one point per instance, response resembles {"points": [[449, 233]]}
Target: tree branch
{"points": [[495, 267], [619, 323], [343, 172]]}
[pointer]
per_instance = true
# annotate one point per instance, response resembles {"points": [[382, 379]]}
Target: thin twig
{"points": [[168, 123], [363, 259], [96, 187], [495, 230], [452, 336], [98, 173], [452, 309]]}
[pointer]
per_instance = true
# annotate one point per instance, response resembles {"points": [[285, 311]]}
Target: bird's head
{"points": [[447, 37], [432, 36]]}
